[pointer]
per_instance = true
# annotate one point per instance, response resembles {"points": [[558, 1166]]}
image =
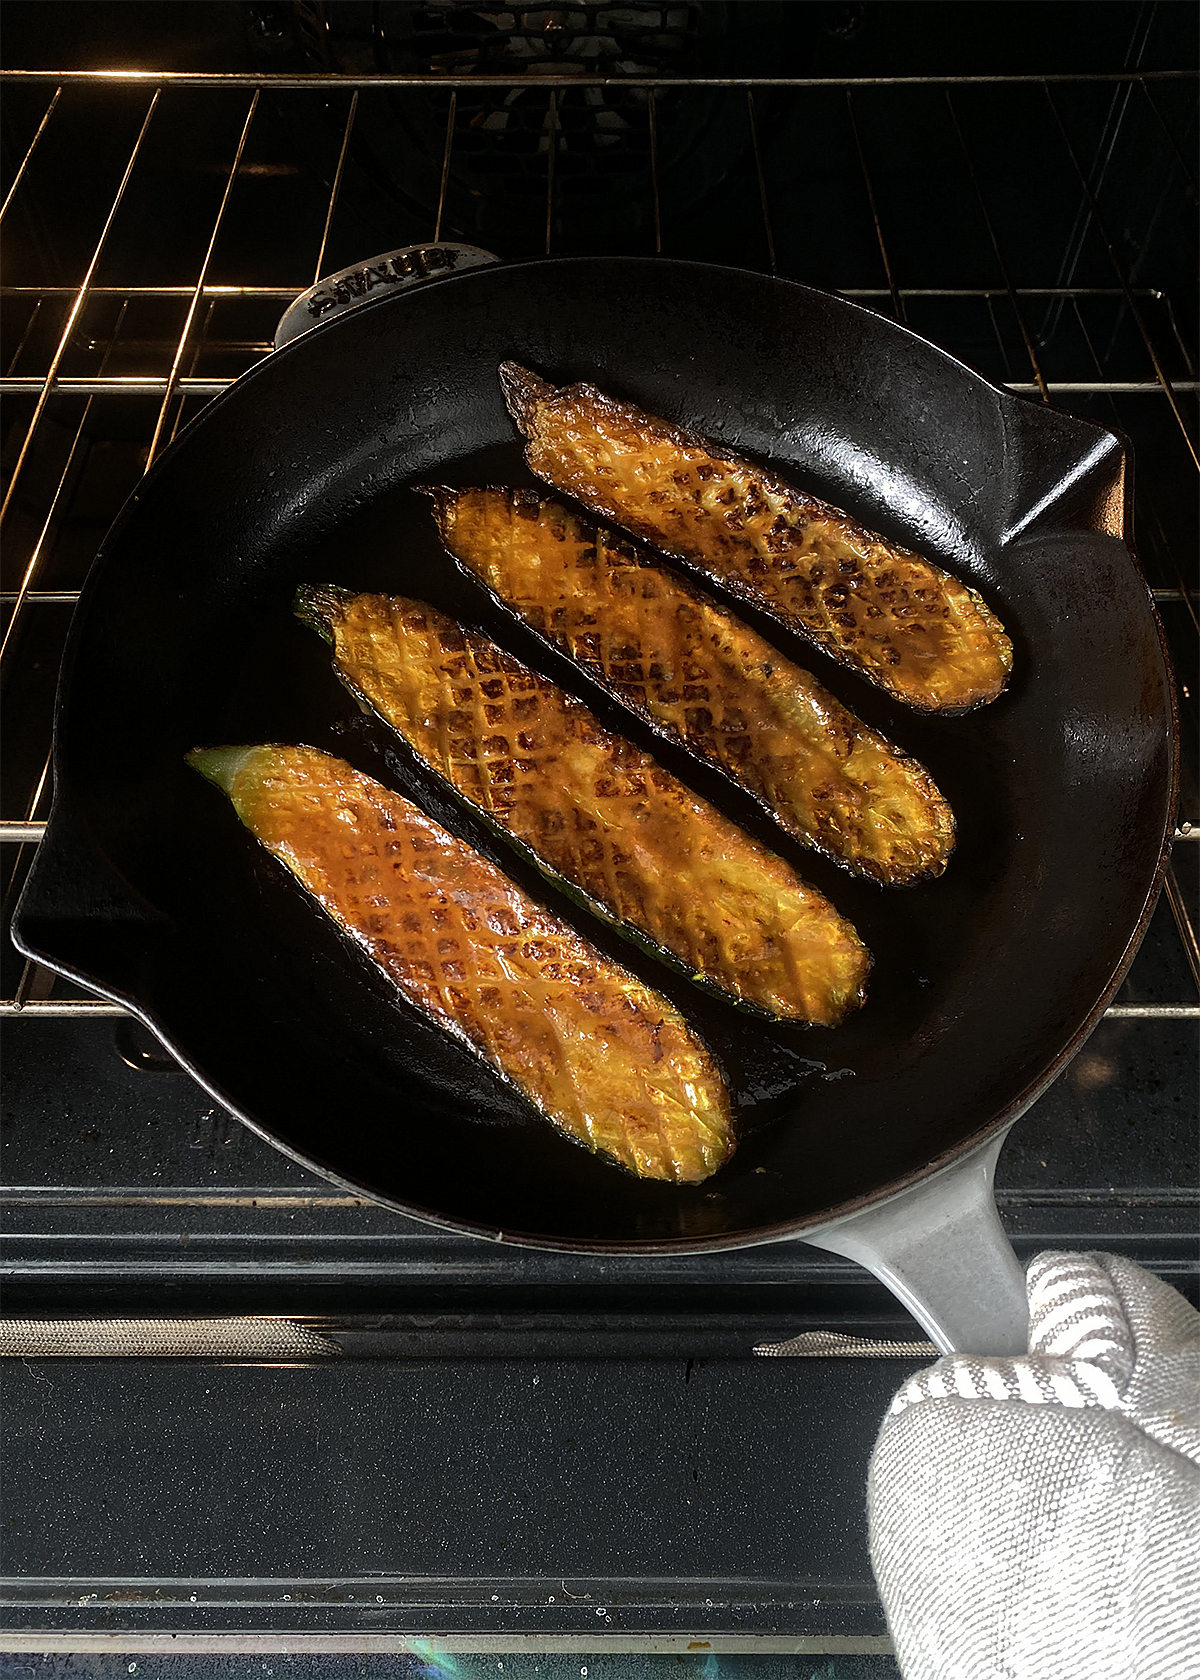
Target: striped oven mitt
{"points": [[1039, 1518]]}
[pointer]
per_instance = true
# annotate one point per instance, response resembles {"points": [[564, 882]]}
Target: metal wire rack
{"points": [[105, 359]]}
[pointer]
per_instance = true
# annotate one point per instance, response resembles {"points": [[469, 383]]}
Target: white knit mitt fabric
{"points": [[1039, 1518]]}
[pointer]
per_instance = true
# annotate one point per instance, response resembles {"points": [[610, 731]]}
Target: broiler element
{"points": [[595, 813], [597, 1053], [888, 613], [701, 676]]}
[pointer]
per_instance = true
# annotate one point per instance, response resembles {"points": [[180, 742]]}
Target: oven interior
{"points": [[420, 1433]]}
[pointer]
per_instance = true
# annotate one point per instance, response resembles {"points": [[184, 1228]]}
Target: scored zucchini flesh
{"points": [[598, 815], [601, 1055], [886, 612], [703, 677]]}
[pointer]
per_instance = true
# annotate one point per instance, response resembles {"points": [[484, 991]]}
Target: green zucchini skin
{"points": [[596, 815]]}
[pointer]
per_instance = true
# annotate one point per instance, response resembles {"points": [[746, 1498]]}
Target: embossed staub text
{"points": [[418, 264]]}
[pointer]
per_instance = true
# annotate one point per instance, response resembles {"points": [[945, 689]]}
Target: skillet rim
{"points": [[61, 817]]}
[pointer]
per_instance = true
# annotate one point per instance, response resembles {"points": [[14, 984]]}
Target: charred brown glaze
{"points": [[703, 677], [608, 820], [874, 606], [600, 1055]]}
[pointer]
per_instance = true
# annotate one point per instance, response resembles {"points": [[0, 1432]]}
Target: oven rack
{"points": [[1126, 341]]}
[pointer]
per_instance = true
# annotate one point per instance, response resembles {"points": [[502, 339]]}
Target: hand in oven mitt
{"points": [[1039, 1518]]}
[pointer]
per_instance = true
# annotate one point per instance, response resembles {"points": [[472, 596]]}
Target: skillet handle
{"points": [[412, 265], [941, 1249]]}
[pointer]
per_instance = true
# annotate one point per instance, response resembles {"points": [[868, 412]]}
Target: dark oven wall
{"points": [[1016, 182]]}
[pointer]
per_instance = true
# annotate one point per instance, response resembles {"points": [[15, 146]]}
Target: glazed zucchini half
{"points": [[595, 813], [888, 613], [703, 677], [603, 1057]]}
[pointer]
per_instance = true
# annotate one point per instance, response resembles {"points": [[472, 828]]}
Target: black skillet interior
{"points": [[984, 980]]}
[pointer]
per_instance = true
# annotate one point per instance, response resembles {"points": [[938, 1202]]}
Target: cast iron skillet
{"points": [[985, 982]]}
